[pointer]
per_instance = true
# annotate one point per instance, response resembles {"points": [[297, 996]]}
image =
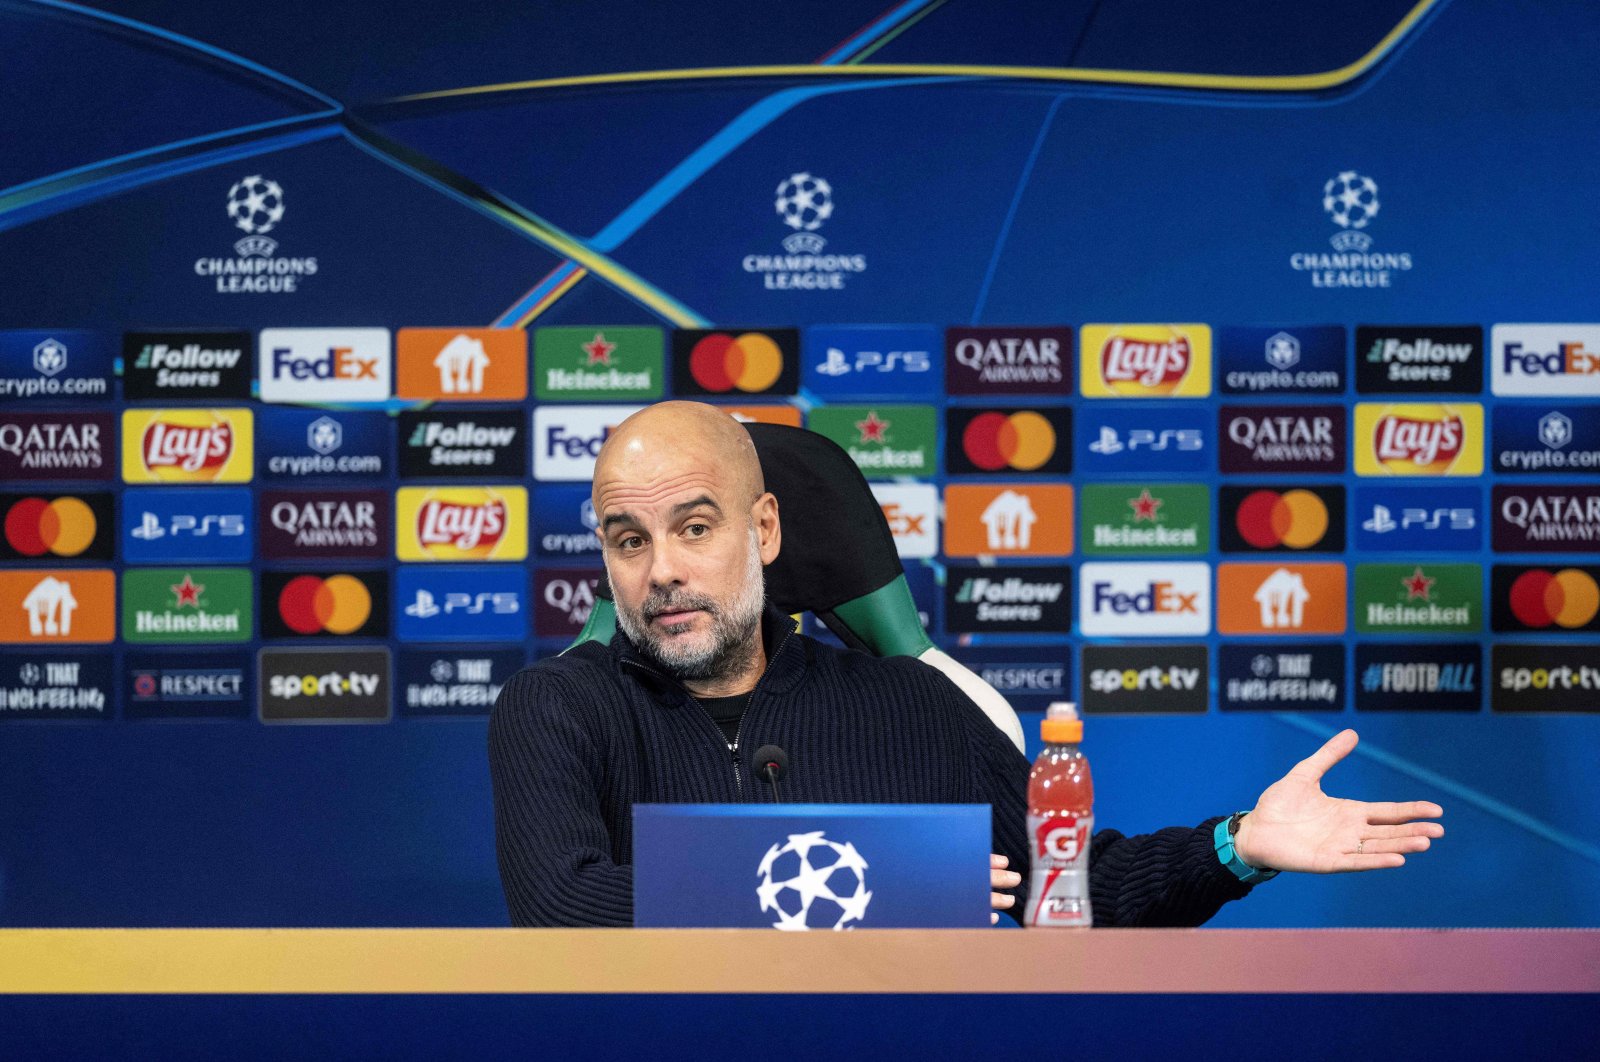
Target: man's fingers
{"points": [[1000, 901], [998, 861], [1004, 879], [1369, 860], [1408, 829], [1383, 846], [1384, 813], [1333, 750]]}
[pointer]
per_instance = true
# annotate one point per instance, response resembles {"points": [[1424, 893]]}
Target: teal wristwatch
{"points": [[1222, 841]]}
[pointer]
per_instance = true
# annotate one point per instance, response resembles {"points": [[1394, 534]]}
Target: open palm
{"points": [[1296, 826]]}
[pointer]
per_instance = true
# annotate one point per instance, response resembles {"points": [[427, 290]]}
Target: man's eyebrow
{"points": [[613, 519], [689, 506]]}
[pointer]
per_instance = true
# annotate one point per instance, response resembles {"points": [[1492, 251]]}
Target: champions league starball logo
{"points": [[1350, 201], [255, 205], [803, 202], [810, 882]]}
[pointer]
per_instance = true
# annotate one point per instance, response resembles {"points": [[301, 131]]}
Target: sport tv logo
{"points": [[1544, 678], [182, 364], [343, 685], [1144, 679]]}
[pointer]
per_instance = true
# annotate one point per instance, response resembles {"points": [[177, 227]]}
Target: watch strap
{"points": [[1228, 855]]}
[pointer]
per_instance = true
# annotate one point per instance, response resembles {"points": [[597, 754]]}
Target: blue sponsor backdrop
{"points": [[653, 203], [448, 604], [171, 525], [1426, 519]]}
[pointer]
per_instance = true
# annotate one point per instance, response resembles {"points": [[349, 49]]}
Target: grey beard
{"points": [[733, 630]]}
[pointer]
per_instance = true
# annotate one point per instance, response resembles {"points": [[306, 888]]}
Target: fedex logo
{"points": [[567, 439], [1541, 359], [325, 364], [912, 512], [1120, 600]]}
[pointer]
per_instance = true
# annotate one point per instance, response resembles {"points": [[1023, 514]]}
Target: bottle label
{"points": [[1059, 893]]}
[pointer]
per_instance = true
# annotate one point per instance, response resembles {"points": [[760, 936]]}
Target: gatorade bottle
{"points": [[1060, 822]]}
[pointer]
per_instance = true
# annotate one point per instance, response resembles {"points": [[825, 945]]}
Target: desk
{"points": [[693, 993]]}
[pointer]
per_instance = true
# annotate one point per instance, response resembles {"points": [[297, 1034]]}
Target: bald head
{"points": [[672, 440]]}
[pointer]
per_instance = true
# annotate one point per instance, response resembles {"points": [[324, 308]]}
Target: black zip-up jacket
{"points": [[576, 740]]}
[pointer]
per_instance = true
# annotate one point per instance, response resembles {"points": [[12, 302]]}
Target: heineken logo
{"points": [[1145, 518], [598, 362], [887, 440], [186, 605], [1414, 598]]}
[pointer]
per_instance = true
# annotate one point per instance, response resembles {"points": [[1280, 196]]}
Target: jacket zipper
{"points": [[733, 749]]}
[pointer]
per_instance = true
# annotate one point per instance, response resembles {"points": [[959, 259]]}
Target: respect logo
{"points": [[461, 523], [55, 525], [1418, 439], [343, 685], [1146, 361], [1144, 678], [752, 362], [187, 446], [1300, 518], [1008, 439], [298, 604]]}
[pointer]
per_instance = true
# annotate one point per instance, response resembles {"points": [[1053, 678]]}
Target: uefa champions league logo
{"points": [[810, 882], [804, 202], [256, 204], [1351, 200]]}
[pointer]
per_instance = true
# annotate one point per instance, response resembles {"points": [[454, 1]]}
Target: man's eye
{"points": [[697, 530], [630, 542]]}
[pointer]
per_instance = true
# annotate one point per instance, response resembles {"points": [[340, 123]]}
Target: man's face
{"points": [[684, 561]]}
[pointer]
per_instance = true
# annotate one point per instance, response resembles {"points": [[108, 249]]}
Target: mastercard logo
{"points": [[64, 527], [337, 604], [1568, 598], [1024, 441], [748, 362], [1297, 519]]}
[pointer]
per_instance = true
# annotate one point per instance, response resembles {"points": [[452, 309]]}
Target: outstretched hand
{"points": [[1296, 826]]}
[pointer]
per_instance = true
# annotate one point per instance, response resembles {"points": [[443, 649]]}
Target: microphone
{"points": [[770, 764]]}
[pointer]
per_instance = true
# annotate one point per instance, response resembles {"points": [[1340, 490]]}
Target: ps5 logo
{"points": [[151, 526], [838, 364], [426, 606], [1110, 440], [1382, 520]]}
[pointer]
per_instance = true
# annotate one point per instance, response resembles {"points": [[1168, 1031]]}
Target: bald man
{"points": [[703, 667]]}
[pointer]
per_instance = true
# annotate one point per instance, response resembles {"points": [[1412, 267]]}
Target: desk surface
{"points": [[558, 961]]}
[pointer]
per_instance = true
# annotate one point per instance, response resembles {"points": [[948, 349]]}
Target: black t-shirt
{"points": [[727, 711]]}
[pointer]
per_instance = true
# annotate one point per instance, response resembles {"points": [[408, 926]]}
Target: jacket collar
{"points": [[787, 655]]}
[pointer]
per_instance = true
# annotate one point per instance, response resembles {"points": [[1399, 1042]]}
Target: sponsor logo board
{"points": [[187, 364], [1395, 359], [1007, 600], [872, 361], [325, 364], [51, 526], [1008, 361], [163, 525], [1029, 677], [437, 445], [789, 415], [55, 685], [1426, 519], [454, 681], [67, 364], [1544, 678], [1302, 518], [1008, 520], [298, 604], [1412, 677], [1296, 360], [1546, 439], [595, 364], [567, 439], [461, 605], [194, 685], [1281, 599], [1152, 679], [1281, 678], [461, 364], [912, 512], [1554, 598], [1135, 442], [566, 522], [324, 524], [1419, 439], [736, 362], [57, 606], [304, 443], [1545, 359], [996, 441], [1161, 599], [1555, 518], [1415, 598], [883, 440], [162, 606], [343, 685], [461, 523], [1262, 439], [175, 446], [563, 599], [1124, 519], [1145, 360], [73, 446]]}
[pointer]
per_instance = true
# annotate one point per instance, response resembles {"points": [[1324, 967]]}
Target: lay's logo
{"points": [[1146, 361], [1417, 439], [187, 446], [461, 523]]}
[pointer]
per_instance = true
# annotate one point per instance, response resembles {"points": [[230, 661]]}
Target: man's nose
{"points": [[666, 564]]}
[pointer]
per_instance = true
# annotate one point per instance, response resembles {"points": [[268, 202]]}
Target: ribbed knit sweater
{"points": [[576, 740]]}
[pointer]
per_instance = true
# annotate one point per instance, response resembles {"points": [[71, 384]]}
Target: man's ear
{"points": [[769, 532]]}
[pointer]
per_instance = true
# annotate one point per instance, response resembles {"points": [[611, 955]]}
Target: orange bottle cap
{"points": [[1061, 724]]}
